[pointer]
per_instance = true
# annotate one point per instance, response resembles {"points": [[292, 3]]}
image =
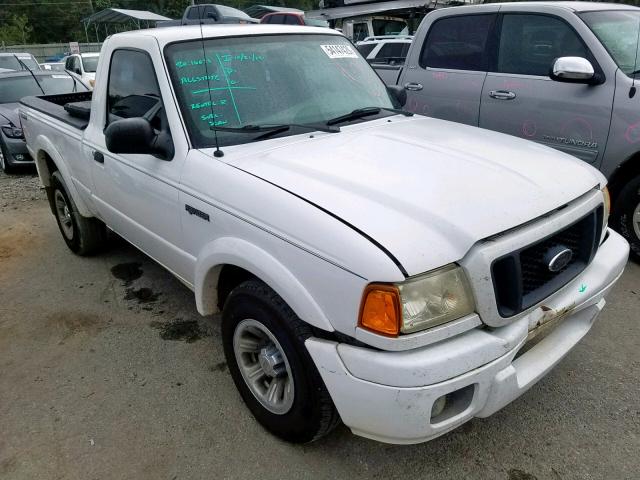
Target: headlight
{"points": [[421, 302], [13, 132]]}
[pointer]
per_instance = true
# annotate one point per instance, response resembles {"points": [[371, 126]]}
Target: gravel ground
{"points": [[108, 372]]}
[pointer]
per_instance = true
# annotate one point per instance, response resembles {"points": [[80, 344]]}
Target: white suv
{"points": [[387, 49]]}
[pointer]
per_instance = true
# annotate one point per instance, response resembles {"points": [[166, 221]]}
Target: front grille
{"points": [[523, 278]]}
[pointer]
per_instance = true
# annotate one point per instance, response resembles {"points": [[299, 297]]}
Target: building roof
{"points": [[368, 9], [259, 11]]}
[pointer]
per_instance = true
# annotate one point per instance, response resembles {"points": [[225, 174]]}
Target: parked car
{"points": [[83, 66], [386, 49], [371, 265], [558, 73], [13, 86], [18, 61], [292, 18], [53, 66], [207, 13]]}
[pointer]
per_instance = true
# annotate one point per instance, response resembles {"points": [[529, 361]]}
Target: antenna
{"points": [[218, 153], [632, 90]]}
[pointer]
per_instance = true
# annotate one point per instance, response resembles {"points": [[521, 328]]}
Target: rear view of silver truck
{"points": [[560, 74]]}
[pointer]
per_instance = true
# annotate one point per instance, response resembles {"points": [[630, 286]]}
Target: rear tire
{"points": [[258, 326], [625, 217], [84, 236]]}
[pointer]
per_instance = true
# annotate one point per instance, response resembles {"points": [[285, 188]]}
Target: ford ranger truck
{"points": [[562, 74], [396, 272]]}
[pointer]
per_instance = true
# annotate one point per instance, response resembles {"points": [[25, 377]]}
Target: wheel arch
{"points": [[228, 261], [626, 171], [48, 160]]}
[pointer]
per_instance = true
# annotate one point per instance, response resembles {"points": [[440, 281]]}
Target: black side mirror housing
{"points": [[398, 95], [136, 135]]}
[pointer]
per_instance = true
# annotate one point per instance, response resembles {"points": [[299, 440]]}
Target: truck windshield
{"points": [[269, 80], [90, 64], [618, 32]]}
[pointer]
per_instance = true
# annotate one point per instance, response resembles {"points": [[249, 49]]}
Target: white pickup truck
{"points": [[384, 269]]}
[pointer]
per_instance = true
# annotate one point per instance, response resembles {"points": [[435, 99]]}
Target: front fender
{"points": [[243, 254], [43, 146]]}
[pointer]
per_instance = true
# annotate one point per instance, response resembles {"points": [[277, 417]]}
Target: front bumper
{"points": [[17, 150], [389, 396]]}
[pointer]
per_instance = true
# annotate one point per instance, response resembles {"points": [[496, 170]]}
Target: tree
{"points": [[15, 30]]}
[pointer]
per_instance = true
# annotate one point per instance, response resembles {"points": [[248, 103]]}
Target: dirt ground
{"points": [[108, 372]]}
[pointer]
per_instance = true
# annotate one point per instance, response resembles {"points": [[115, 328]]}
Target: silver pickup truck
{"points": [[561, 74]]}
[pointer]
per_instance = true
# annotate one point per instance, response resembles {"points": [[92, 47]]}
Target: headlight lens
{"points": [[435, 298], [419, 303], [13, 132]]}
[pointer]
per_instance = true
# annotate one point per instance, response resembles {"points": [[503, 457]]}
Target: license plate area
{"points": [[542, 324]]}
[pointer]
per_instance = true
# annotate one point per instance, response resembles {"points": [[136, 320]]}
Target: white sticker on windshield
{"points": [[60, 76], [339, 51]]}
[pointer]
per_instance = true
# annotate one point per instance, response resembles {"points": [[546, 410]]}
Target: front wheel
{"points": [[264, 346], [4, 159], [625, 217]]}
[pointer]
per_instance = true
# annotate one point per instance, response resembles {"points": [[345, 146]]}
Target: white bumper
{"points": [[389, 396]]}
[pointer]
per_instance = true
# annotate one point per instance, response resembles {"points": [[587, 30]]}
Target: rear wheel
{"points": [[625, 217], [264, 345], [83, 236]]}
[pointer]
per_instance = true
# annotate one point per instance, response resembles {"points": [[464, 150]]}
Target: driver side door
{"points": [[137, 194]]}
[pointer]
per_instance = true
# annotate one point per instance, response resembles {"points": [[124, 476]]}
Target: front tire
{"points": [[4, 162], [84, 236], [263, 343], [625, 218]]}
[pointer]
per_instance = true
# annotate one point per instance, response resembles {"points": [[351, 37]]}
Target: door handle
{"points": [[414, 87], [98, 156], [502, 95]]}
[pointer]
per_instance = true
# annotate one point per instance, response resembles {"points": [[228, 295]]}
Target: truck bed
{"points": [[70, 108]]}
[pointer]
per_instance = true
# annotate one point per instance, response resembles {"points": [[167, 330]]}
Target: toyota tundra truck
{"points": [[562, 74], [396, 272]]}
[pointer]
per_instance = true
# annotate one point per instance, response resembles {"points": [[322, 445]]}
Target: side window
{"points": [[366, 48], [67, 63], [360, 31], [530, 43], [278, 19], [458, 43], [390, 50], [266, 20], [133, 88], [193, 13], [291, 20]]}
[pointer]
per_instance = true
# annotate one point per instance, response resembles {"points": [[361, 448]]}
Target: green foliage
{"points": [[15, 29]]}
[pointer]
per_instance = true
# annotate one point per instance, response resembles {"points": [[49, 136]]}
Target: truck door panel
{"points": [[520, 99], [137, 194], [445, 79]]}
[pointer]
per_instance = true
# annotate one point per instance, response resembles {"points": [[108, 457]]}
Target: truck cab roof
{"points": [[168, 35], [574, 6]]}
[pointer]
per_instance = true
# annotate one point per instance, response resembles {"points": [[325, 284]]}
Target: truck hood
{"points": [[425, 189]]}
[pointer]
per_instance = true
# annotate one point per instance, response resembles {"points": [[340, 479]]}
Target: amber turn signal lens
{"points": [[380, 310]]}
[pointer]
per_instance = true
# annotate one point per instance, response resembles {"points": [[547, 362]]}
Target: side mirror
{"points": [[77, 70], [135, 135], [573, 70], [398, 95]]}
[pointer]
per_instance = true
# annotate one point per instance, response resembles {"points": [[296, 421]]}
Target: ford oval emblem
{"points": [[558, 258]]}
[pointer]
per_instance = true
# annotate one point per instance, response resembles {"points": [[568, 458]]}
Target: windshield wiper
{"points": [[32, 74], [270, 130], [365, 112]]}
